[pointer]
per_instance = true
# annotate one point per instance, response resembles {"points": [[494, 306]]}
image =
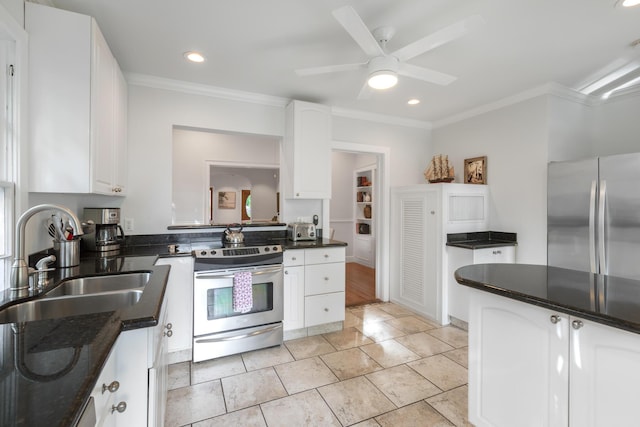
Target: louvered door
{"points": [[416, 243]]}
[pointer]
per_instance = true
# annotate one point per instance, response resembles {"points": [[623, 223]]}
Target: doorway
{"points": [[358, 214]]}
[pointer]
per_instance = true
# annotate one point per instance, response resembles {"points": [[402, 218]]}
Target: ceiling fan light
{"points": [[630, 3], [383, 79]]}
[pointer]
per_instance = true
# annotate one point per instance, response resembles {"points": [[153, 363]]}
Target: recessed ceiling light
{"points": [[194, 56], [413, 101], [629, 3]]}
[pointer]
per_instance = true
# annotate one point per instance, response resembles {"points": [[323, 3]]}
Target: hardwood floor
{"points": [[361, 284]]}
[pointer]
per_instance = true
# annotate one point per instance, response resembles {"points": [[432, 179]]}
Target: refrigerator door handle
{"points": [[601, 222], [592, 228]]}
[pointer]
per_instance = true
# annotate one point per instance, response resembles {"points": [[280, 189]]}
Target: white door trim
{"points": [[382, 214]]}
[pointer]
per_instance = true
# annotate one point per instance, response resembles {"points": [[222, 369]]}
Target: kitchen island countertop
{"points": [[609, 300]]}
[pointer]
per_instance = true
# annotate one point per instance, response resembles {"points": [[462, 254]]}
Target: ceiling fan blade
{"points": [[425, 74], [329, 69], [353, 24], [438, 38], [365, 91]]}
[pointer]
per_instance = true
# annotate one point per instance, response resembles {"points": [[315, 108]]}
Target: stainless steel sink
{"points": [[66, 306], [99, 284]]}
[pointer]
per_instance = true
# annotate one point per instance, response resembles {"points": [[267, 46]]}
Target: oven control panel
{"points": [[237, 251]]}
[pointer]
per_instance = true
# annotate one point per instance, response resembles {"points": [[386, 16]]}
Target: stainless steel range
{"points": [[223, 323]]}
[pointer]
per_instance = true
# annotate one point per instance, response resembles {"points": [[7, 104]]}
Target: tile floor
{"points": [[388, 367]]}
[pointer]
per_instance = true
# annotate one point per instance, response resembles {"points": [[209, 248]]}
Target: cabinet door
{"points": [[293, 298], [104, 399], [307, 151], [326, 308], [179, 299], [502, 254], [518, 363], [119, 180], [605, 373]]}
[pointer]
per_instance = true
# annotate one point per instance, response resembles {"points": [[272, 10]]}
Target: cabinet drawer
{"points": [[319, 256], [502, 254], [293, 257], [324, 278], [327, 308]]}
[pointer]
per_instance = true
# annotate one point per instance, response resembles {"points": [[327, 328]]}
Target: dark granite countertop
{"points": [[482, 239], [609, 300], [49, 367]]}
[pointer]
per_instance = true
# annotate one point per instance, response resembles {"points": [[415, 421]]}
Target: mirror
{"points": [[208, 162]]}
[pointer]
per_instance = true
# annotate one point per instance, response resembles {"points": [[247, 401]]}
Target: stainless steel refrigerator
{"points": [[593, 210]]}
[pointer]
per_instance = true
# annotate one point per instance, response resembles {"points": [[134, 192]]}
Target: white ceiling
{"points": [[255, 46]]}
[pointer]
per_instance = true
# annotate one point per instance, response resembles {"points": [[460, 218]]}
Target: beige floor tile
{"points": [[350, 363], [371, 314], [380, 331], [443, 372], [303, 409], [402, 385], [250, 417], [411, 324], [305, 374], [459, 355], [194, 403], [367, 423], [216, 368], [309, 347], [252, 388], [351, 320], [453, 336], [419, 414], [347, 338], [423, 344], [389, 353], [266, 357], [355, 400], [394, 309], [453, 405], [179, 375]]}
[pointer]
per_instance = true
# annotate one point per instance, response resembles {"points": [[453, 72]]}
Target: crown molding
{"points": [[204, 90], [553, 89], [621, 94], [380, 118]]}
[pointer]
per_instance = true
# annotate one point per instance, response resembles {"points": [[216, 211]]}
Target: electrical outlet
{"points": [[128, 224]]}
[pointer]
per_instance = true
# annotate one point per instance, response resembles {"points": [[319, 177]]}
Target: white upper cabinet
{"points": [[307, 151], [77, 101]]}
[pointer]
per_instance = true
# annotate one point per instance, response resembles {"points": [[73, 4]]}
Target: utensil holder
{"points": [[67, 252]]}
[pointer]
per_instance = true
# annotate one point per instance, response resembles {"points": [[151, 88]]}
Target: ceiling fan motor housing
{"points": [[383, 63]]}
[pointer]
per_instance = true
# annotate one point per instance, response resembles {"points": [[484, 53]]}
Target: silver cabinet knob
{"points": [[326, 309], [121, 407], [112, 388], [286, 272], [326, 279], [433, 212], [497, 252], [555, 318], [577, 324], [293, 258], [326, 255]]}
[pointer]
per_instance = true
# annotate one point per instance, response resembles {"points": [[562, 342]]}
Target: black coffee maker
{"points": [[108, 234]]}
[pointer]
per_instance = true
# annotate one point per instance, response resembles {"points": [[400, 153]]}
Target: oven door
{"points": [[213, 302]]}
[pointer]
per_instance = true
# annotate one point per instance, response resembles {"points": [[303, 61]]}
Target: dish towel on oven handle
{"points": [[242, 292]]}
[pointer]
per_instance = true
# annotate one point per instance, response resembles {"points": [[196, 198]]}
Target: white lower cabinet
{"points": [[104, 392], [179, 298], [314, 283], [141, 369], [458, 295], [534, 366]]}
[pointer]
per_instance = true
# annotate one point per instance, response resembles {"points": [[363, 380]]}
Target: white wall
{"points": [[514, 139], [618, 126], [341, 207]]}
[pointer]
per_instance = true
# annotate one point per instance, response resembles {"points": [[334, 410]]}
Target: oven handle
{"points": [[212, 275], [239, 337]]}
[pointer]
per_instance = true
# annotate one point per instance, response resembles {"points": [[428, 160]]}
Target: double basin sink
{"points": [[78, 296]]}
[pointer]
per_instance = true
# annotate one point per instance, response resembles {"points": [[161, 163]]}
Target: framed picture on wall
{"points": [[475, 170], [226, 199]]}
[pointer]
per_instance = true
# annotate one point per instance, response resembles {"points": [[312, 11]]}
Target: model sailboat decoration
{"points": [[439, 170]]}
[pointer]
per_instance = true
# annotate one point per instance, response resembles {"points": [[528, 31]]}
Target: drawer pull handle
{"points": [[326, 255], [169, 325], [326, 279], [286, 272], [112, 388], [497, 252], [121, 407], [293, 258], [555, 319], [326, 309], [168, 333]]}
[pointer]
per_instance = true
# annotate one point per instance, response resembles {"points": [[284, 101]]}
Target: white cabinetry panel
{"points": [[324, 278], [293, 297], [326, 308]]}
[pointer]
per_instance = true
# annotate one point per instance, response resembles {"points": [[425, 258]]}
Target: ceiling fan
{"points": [[384, 68]]}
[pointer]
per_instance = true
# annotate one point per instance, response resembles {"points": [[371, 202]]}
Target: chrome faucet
{"points": [[20, 269]]}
